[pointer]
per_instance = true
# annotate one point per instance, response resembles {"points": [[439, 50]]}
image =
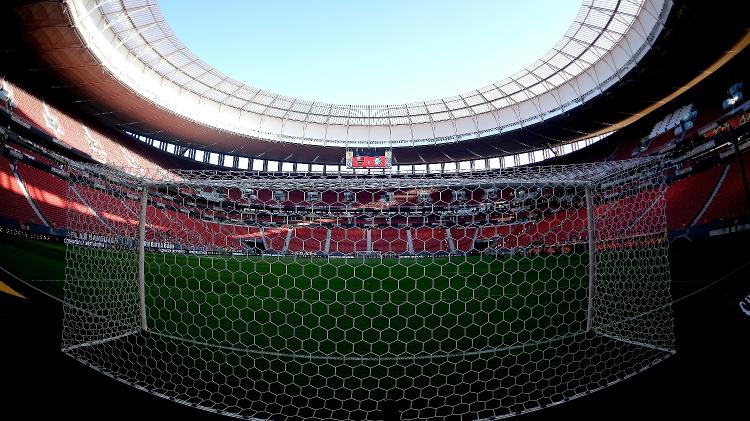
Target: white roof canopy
{"points": [[134, 42]]}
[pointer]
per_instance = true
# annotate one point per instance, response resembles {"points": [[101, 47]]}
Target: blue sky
{"points": [[369, 52]]}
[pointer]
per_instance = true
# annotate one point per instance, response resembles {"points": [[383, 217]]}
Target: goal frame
{"points": [[93, 335]]}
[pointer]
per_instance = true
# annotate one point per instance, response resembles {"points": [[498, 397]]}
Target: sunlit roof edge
{"points": [[111, 30]]}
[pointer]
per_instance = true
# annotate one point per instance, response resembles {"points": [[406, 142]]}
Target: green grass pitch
{"points": [[339, 307]]}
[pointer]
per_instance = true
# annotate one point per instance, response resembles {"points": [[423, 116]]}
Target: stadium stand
{"points": [[65, 128], [116, 214], [81, 214], [689, 199], [308, 239], [656, 143], [618, 215], [15, 204], [672, 120], [564, 227], [48, 193], [348, 240], [389, 240], [463, 238], [729, 203], [276, 239], [429, 240], [242, 232], [687, 196], [502, 236]]}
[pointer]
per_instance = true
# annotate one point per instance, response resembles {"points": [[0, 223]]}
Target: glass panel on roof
{"points": [[211, 78], [178, 77], [317, 118], [147, 55], [275, 112], [481, 108], [217, 96], [227, 85], [439, 117], [461, 113], [180, 65], [234, 102], [281, 102], [295, 116], [196, 86], [302, 106], [245, 93], [255, 108]]}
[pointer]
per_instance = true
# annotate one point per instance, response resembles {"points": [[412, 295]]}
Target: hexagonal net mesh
{"points": [[464, 296]]}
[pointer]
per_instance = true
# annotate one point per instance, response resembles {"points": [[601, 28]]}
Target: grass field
{"points": [[40, 261], [317, 306], [295, 338]]}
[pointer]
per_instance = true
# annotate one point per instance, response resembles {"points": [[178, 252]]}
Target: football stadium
{"points": [[570, 240]]}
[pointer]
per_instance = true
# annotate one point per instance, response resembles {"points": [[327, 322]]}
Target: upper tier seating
{"points": [[48, 192], [86, 139]]}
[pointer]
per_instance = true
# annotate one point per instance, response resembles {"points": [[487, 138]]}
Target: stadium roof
{"points": [[134, 42], [46, 53]]}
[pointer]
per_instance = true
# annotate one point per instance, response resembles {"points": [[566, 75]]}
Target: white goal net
{"points": [[289, 296]]}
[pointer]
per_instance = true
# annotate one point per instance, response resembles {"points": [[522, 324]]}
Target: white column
{"points": [[327, 245], [449, 237], [409, 241]]}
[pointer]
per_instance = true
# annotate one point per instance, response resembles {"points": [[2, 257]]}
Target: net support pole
{"points": [[592, 258], [142, 257]]}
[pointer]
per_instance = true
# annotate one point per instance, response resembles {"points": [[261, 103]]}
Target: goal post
{"points": [[591, 228], [142, 255], [472, 295], [632, 268]]}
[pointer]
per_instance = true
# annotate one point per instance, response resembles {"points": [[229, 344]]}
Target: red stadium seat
{"points": [[686, 197], [15, 205]]}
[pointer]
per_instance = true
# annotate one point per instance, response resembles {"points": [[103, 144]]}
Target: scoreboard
{"points": [[369, 159]]}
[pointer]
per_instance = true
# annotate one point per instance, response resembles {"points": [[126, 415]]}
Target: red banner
{"points": [[369, 162]]}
